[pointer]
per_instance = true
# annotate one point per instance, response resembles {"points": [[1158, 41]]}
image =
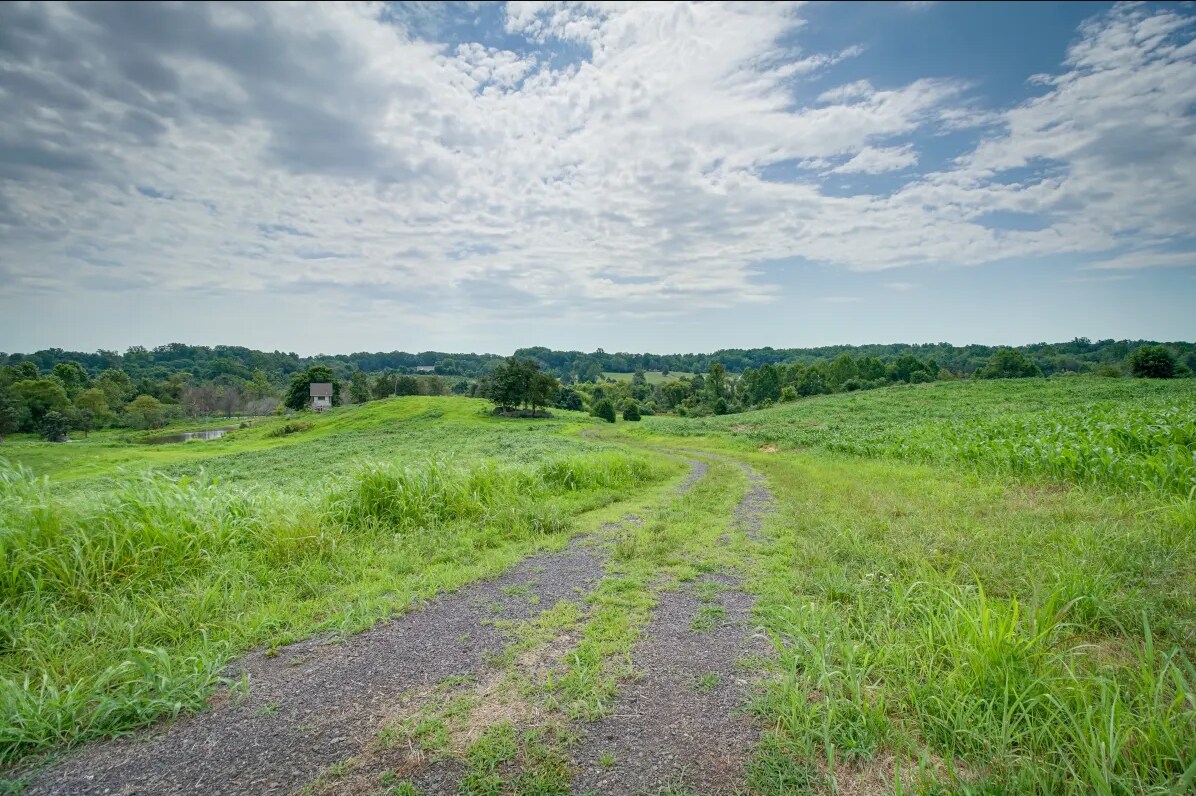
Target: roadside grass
{"points": [[119, 607], [946, 632]]}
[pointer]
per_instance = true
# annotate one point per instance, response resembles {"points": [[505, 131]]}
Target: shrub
{"points": [[632, 413], [920, 377], [294, 427], [1008, 364], [605, 410], [851, 385], [789, 394], [1152, 362], [1109, 371], [54, 426], [720, 406]]}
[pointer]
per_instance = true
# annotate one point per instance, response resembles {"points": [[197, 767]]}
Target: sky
{"points": [[638, 177]]}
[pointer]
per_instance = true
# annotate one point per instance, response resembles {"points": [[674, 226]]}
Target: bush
{"points": [[920, 377], [54, 426], [1008, 364], [569, 399], [851, 385], [294, 427], [720, 406], [1109, 371], [1152, 362], [632, 413], [789, 394], [605, 410]]}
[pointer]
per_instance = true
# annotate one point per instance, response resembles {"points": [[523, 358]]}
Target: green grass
{"points": [[121, 602], [650, 376], [1122, 434]]}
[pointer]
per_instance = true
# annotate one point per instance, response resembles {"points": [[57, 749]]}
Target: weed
{"points": [[707, 617], [708, 682]]}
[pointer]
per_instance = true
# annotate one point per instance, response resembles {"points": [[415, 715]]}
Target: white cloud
{"points": [[319, 150], [900, 287], [877, 160], [839, 299], [1133, 261]]}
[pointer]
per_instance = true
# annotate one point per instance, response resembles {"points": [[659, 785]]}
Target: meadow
{"points": [[969, 587], [650, 376]]}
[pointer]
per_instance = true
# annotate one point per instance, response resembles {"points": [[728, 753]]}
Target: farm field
{"points": [[650, 376], [957, 587]]}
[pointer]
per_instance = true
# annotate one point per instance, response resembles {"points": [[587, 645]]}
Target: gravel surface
{"points": [[682, 723], [320, 701]]}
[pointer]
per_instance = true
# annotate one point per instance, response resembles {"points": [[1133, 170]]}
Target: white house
{"points": [[321, 396]]}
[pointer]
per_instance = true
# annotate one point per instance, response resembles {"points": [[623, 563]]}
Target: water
{"points": [[187, 436]]}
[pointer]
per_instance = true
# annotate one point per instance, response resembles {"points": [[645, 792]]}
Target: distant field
{"points": [[652, 376], [1118, 433]]}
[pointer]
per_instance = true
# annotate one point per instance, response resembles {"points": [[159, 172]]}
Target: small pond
{"points": [[188, 436]]}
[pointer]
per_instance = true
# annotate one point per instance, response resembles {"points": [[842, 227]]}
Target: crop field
{"points": [[956, 587], [650, 376]]}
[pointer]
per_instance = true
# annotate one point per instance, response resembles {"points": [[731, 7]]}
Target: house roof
{"points": [[321, 388]]}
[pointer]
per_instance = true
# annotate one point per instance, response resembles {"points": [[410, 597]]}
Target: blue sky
{"points": [[643, 177]]}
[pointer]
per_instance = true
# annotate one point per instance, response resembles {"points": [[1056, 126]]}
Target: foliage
{"points": [[1008, 364], [569, 399], [39, 397], [604, 409], [359, 388], [632, 412], [54, 426], [146, 411], [517, 383], [93, 400], [10, 414], [298, 396], [1152, 362]]}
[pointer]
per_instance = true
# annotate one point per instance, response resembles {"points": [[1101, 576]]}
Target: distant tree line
{"points": [[53, 389]]}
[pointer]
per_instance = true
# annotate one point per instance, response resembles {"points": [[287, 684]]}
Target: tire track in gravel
{"points": [[320, 702], [682, 723]]}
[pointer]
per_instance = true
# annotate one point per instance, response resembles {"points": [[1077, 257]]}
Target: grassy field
{"points": [[970, 587], [651, 376]]}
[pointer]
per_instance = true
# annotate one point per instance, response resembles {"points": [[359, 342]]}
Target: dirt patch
{"points": [[769, 449]]}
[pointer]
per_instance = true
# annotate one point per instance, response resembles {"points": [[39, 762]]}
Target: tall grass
{"points": [[120, 606], [1129, 436]]}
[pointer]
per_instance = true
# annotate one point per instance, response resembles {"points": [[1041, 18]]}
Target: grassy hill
{"points": [[651, 376]]}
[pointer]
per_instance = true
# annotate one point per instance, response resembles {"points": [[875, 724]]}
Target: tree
{"points": [[85, 421], [259, 386], [605, 410], [200, 401], [1152, 362], [632, 412], [116, 385], [228, 400], [10, 414], [406, 385], [788, 394], [94, 402], [720, 406], [639, 377], [72, 375], [716, 381], [569, 399], [812, 383], [146, 412], [542, 390], [359, 388], [1008, 364], [54, 426], [870, 368], [39, 397], [299, 392]]}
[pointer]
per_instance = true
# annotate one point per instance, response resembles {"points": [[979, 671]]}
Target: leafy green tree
{"points": [[720, 406], [1008, 364], [72, 375], [904, 366], [26, 371], [870, 368], [716, 381], [39, 397], [639, 377], [359, 388], [788, 394], [842, 369], [85, 421], [146, 411], [605, 409], [570, 399], [406, 385], [1152, 362], [93, 400], [383, 386], [259, 386], [812, 383], [298, 395], [10, 414], [54, 426], [116, 385], [542, 390], [632, 413]]}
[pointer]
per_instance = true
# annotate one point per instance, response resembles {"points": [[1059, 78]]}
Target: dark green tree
{"points": [[54, 426], [10, 414], [359, 388], [85, 421], [812, 383], [39, 397], [1152, 362], [632, 412], [605, 409], [1008, 364], [570, 399], [72, 375], [542, 390]]}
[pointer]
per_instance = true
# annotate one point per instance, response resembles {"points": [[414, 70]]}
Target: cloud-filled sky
{"points": [[663, 177]]}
